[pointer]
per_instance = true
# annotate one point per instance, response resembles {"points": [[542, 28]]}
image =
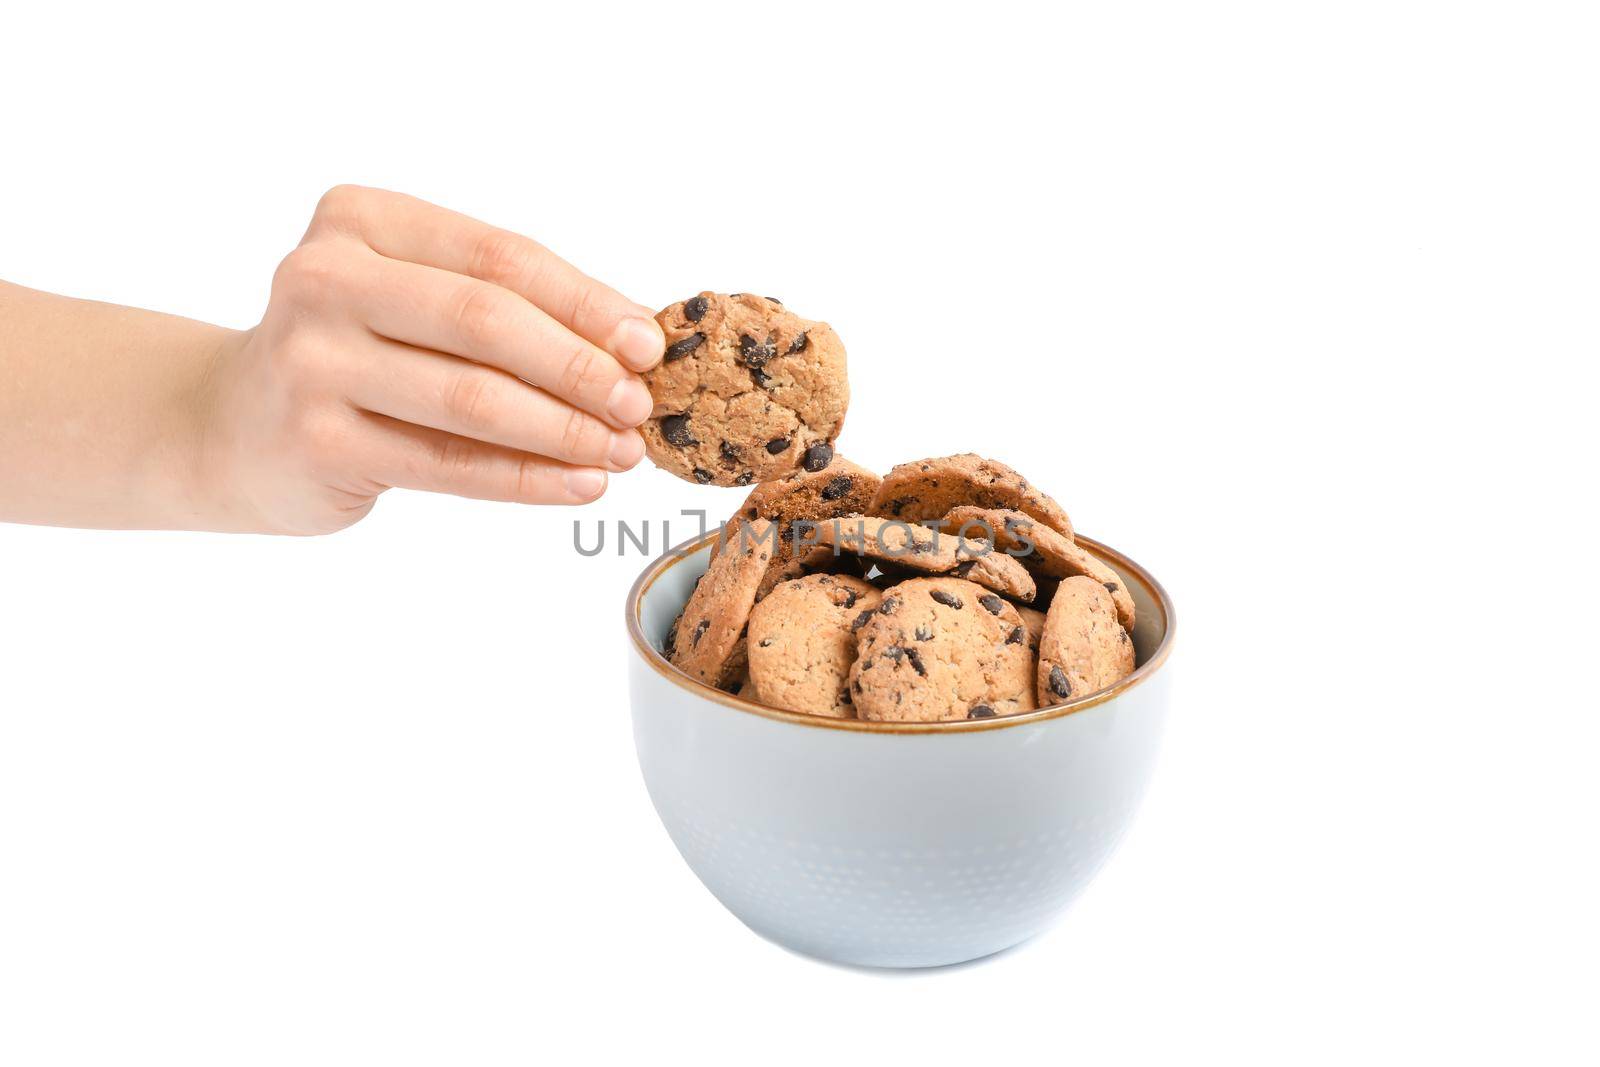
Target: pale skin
{"points": [[403, 345]]}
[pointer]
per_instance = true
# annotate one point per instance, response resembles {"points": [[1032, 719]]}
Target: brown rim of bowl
{"points": [[674, 556]]}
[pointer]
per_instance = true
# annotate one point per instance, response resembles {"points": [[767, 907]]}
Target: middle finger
{"points": [[435, 309]]}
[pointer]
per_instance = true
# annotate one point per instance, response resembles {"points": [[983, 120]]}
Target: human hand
{"points": [[397, 350]]}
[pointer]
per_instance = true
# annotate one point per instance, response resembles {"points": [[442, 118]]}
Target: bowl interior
{"points": [[664, 587]]}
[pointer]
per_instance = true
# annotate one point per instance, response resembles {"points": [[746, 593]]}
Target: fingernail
{"points": [[585, 483], [638, 343], [629, 403], [626, 450]]}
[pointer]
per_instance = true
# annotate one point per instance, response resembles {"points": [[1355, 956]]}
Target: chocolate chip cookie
{"points": [[929, 488], [801, 644], [841, 488], [747, 392], [937, 649], [1033, 623], [909, 547], [1083, 648], [706, 641], [1041, 549]]}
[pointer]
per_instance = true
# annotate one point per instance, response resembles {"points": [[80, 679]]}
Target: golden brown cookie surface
{"points": [[1083, 648], [707, 640], [801, 644], [928, 488], [748, 391], [841, 488], [1033, 622], [916, 548], [1042, 549], [937, 649]]}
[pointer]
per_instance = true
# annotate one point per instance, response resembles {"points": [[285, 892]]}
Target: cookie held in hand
{"points": [[748, 391]]}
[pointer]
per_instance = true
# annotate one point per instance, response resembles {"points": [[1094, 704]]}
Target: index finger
{"points": [[402, 227]]}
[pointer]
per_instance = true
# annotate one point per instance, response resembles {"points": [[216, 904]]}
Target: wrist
{"points": [[210, 476]]}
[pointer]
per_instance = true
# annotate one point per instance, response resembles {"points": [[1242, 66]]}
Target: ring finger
{"points": [[486, 404]]}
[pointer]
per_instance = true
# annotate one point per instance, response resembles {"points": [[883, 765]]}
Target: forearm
{"points": [[101, 414]]}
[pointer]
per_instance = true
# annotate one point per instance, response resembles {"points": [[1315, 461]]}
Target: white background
{"points": [[1295, 304]]}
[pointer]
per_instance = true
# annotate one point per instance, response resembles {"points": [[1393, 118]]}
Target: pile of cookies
{"points": [[949, 589]]}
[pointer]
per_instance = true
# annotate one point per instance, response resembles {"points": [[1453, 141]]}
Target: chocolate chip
{"points": [[924, 634], [1015, 636], [765, 642], [679, 349], [837, 488], [916, 661], [992, 603], [861, 620], [1111, 587], [949, 600], [898, 504], [921, 548], [798, 344], [694, 308], [703, 476], [700, 629], [778, 444], [1059, 684], [818, 456], [745, 478], [775, 300], [730, 454], [760, 377], [756, 353], [888, 605], [894, 652], [675, 429], [981, 711], [850, 602]]}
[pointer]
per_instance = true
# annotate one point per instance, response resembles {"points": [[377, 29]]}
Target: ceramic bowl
{"points": [[892, 844]]}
